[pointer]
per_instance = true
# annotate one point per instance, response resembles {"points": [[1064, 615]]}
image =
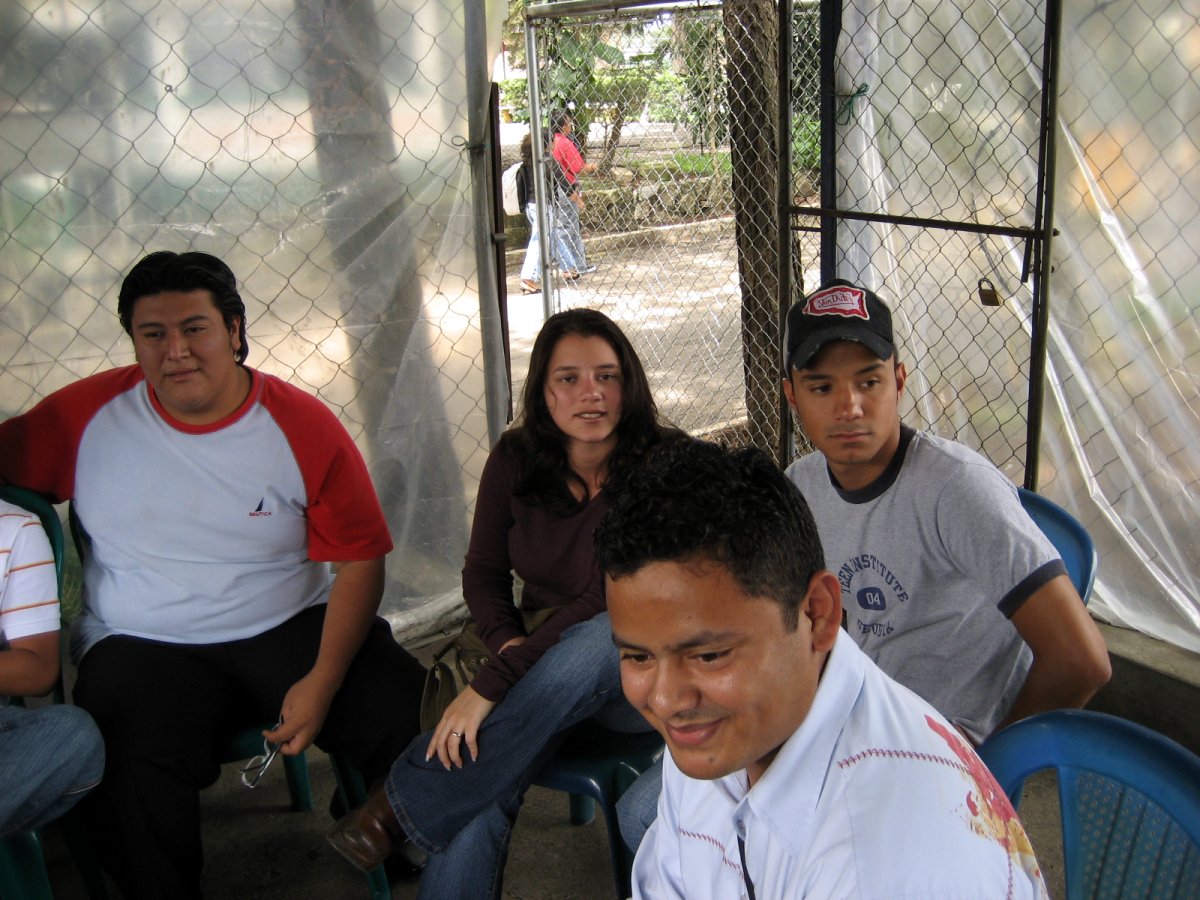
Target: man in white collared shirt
{"points": [[797, 768]]}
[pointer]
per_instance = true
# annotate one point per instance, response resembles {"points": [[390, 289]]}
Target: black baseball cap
{"points": [[837, 311]]}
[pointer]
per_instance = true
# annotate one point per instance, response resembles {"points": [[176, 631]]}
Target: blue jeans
{"points": [[531, 269], [464, 817], [638, 807], [49, 758], [568, 216]]}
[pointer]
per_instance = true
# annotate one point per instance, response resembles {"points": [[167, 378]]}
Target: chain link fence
{"points": [[938, 124], [650, 99], [323, 148], [317, 147]]}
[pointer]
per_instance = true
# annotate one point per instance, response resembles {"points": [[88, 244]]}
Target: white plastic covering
{"points": [[1119, 447], [319, 147]]}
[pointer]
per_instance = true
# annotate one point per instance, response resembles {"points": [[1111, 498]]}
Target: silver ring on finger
{"points": [[456, 733]]}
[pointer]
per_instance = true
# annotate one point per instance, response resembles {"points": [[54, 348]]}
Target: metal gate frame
{"points": [[1036, 266]]}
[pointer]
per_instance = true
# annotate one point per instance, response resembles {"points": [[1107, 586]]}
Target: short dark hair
{"points": [[558, 120], [690, 500], [544, 444], [166, 270]]}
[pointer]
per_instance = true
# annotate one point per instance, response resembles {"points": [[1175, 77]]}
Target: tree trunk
{"points": [[751, 30]]}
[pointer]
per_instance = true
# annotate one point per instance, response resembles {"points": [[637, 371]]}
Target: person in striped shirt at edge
{"points": [[53, 755]]}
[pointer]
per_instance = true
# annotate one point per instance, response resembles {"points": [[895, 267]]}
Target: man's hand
{"points": [[459, 725], [353, 601], [305, 707]]}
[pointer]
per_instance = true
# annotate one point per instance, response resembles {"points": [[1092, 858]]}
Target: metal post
{"points": [[786, 244], [481, 161], [1043, 258]]}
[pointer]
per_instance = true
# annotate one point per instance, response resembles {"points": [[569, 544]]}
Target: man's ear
{"points": [[789, 392], [901, 378], [235, 330], [823, 606]]}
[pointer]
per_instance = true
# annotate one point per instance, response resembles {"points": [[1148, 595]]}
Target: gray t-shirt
{"points": [[933, 558]]}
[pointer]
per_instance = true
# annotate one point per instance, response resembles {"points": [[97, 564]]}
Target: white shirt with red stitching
{"points": [[874, 796]]}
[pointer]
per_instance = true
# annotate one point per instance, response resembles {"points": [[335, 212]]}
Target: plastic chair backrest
{"points": [[1129, 798], [1069, 538]]}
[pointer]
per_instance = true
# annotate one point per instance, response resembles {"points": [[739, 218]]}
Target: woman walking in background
{"points": [[532, 267], [571, 163]]}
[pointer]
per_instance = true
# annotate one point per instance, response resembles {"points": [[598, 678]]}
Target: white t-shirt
{"points": [[933, 558], [875, 795], [197, 534]]}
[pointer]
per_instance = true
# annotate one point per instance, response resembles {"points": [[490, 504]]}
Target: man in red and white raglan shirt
{"points": [[233, 569]]}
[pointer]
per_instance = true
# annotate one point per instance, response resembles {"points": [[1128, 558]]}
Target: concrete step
{"points": [[1154, 683]]}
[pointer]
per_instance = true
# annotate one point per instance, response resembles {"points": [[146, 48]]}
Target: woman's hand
{"points": [[460, 724], [512, 642]]}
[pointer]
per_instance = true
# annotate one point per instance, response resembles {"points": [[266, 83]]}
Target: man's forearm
{"points": [[353, 603]]}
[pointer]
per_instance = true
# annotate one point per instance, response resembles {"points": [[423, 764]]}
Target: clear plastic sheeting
{"points": [[322, 149], [953, 90]]}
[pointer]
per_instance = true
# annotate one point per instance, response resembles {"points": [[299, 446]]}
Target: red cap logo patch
{"points": [[840, 300]]}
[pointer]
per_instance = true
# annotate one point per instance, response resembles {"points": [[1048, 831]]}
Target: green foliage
{"points": [[621, 92], [666, 98], [705, 99], [570, 78], [806, 143], [682, 165], [513, 33], [514, 93]]}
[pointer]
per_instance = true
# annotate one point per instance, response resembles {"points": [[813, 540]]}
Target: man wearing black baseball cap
{"points": [[947, 584]]}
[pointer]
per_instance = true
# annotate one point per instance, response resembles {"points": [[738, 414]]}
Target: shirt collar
{"points": [[786, 796]]}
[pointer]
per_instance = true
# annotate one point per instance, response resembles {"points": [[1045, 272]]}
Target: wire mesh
{"points": [[649, 96], [938, 126], [312, 146]]}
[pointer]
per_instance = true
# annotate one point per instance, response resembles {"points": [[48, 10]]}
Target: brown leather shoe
{"points": [[366, 836]]}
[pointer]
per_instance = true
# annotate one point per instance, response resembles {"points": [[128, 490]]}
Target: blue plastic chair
{"points": [[1129, 800], [1069, 538], [597, 765]]}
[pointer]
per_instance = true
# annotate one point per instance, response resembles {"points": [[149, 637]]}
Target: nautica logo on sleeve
{"points": [[259, 511], [838, 301]]}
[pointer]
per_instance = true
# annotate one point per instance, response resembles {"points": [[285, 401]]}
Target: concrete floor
{"points": [[256, 848]]}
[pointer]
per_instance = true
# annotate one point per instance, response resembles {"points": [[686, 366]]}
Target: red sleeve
{"points": [[345, 520], [38, 448], [568, 156], [487, 571]]}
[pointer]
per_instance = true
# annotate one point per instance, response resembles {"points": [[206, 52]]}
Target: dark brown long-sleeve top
{"points": [[552, 554]]}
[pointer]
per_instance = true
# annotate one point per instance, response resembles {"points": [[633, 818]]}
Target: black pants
{"points": [[164, 709]]}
